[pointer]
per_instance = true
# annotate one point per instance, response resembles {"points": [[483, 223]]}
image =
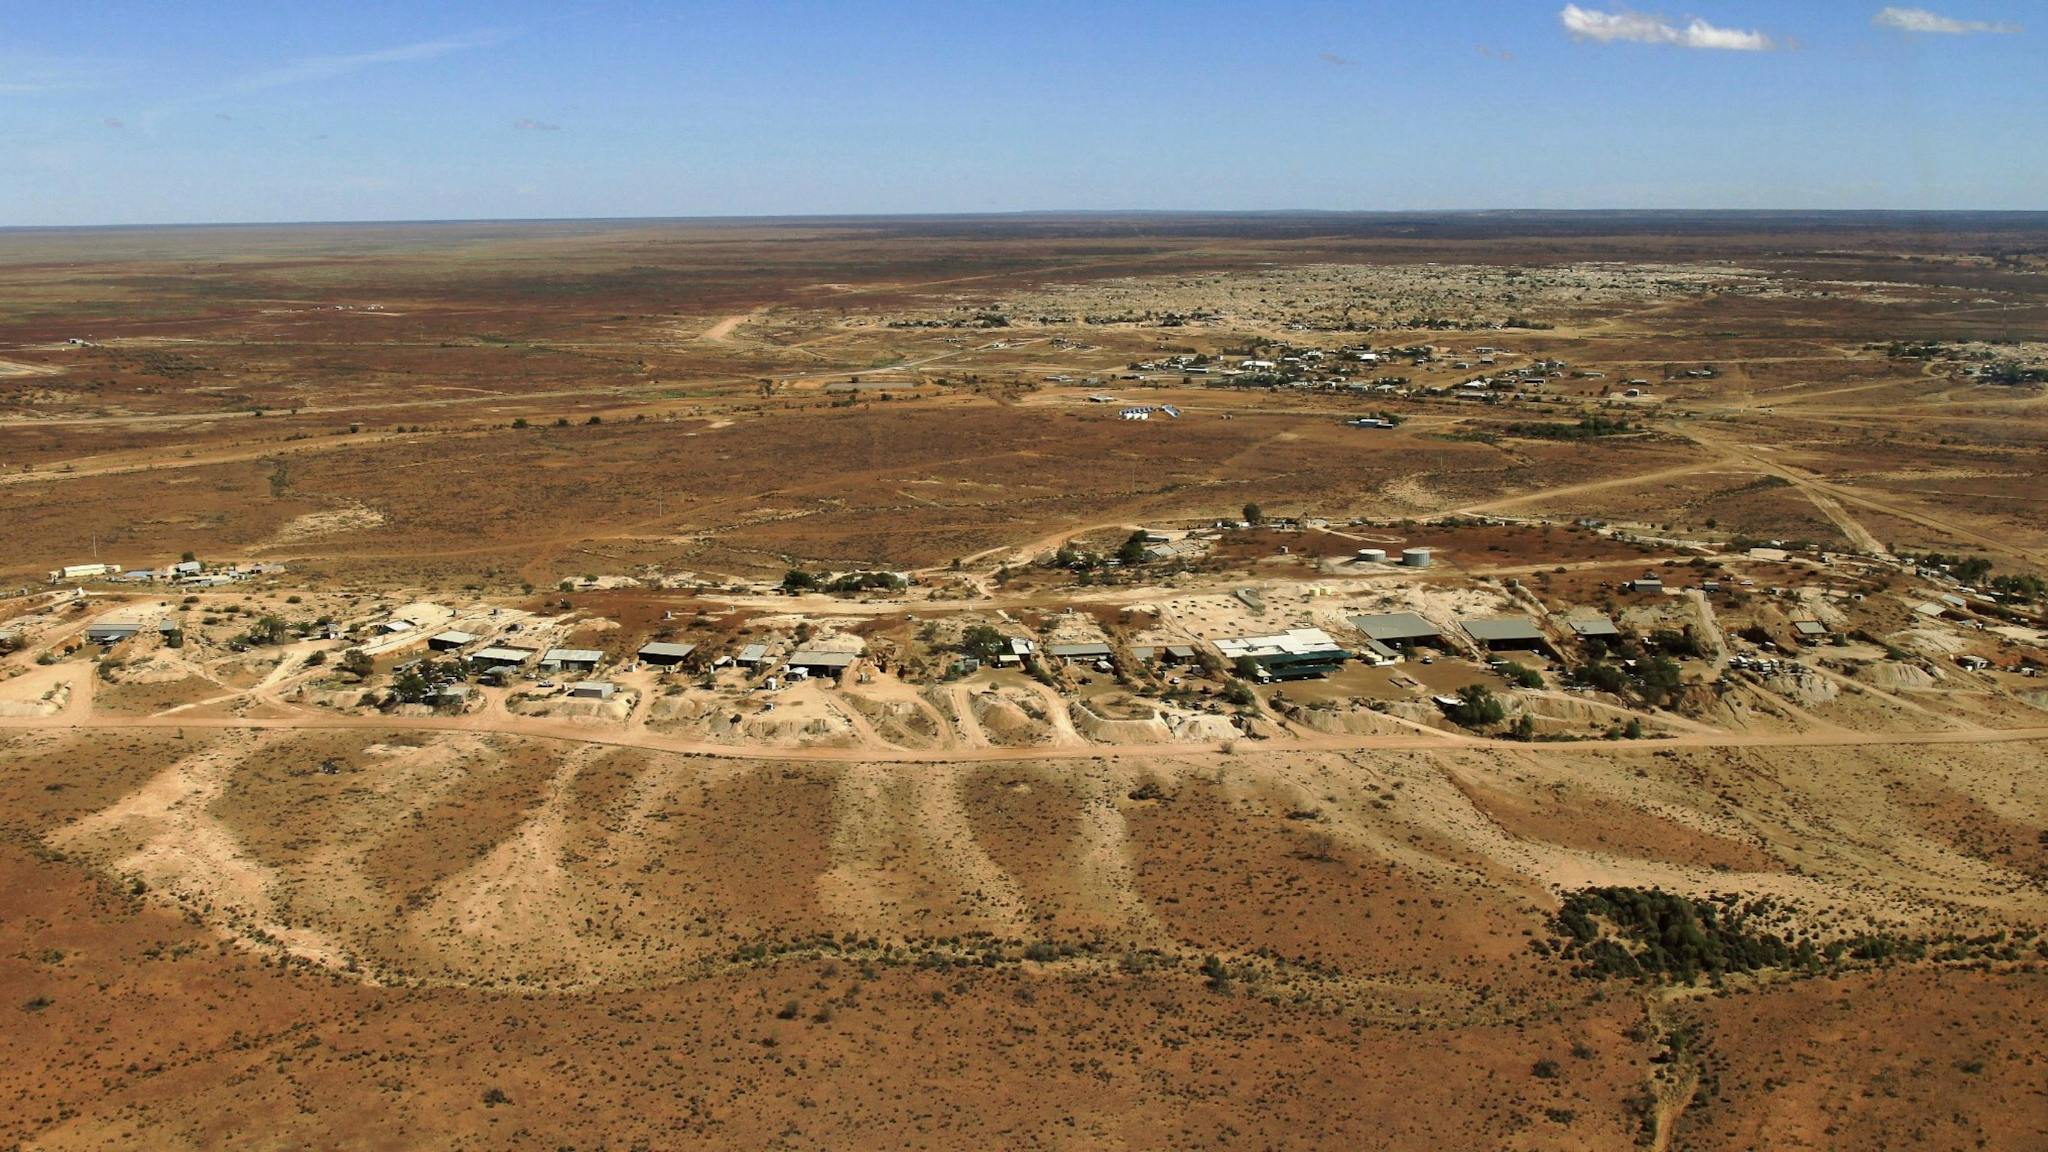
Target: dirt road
{"points": [[1074, 748]]}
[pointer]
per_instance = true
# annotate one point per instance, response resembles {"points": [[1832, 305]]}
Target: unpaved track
{"points": [[964, 720], [1831, 498], [1072, 745], [1730, 463], [721, 332]]}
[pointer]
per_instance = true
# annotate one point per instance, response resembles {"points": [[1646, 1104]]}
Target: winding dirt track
{"points": [[544, 729]]}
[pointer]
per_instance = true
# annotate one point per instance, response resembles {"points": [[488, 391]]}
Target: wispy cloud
{"points": [[1921, 20], [29, 74], [1500, 54], [1334, 60], [524, 124], [312, 69], [1640, 28], [114, 122]]}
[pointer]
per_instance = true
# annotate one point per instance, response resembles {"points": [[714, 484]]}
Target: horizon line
{"points": [[1028, 213]]}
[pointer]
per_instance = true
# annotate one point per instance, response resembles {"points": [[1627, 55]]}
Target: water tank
{"points": [[1415, 557], [1372, 555]]}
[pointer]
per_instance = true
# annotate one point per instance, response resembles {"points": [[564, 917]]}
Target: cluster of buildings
{"points": [[184, 574], [1144, 412]]}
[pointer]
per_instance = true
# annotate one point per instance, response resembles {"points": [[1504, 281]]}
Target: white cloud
{"points": [[527, 124], [26, 74], [1637, 27], [327, 67], [310, 69], [1921, 20]]}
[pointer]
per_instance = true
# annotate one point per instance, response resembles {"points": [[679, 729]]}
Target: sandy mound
{"points": [[313, 525], [1891, 674], [612, 711], [49, 704], [901, 722], [1008, 721], [1096, 727], [1803, 687]]}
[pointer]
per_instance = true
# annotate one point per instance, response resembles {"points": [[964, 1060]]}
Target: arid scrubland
{"points": [[1521, 681]]}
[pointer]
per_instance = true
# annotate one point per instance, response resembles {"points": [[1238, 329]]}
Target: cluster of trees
{"points": [[798, 580], [1656, 936], [2023, 587], [1647, 671], [1477, 707], [984, 643], [1684, 644], [1915, 349], [2026, 587], [1520, 675], [1968, 569], [267, 630], [416, 683], [1128, 554], [2012, 374], [1588, 428], [1655, 680]]}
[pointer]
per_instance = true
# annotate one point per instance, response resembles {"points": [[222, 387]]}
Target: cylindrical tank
{"points": [[1372, 555], [1415, 557]]}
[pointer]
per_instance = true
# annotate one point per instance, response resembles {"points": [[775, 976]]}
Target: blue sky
{"points": [[122, 113]]}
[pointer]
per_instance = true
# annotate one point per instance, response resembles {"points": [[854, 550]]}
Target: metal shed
{"points": [[501, 657], [1504, 632], [581, 659], [1396, 627], [665, 654], [821, 663]]}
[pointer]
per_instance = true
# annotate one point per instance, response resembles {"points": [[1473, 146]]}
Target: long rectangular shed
{"points": [[1296, 654], [1495, 632], [1593, 628], [1397, 628], [821, 663], [579, 658], [664, 654], [500, 656], [1078, 651]]}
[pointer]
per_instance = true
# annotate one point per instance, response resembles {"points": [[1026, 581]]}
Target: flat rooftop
{"points": [[817, 658], [1068, 651], [1395, 627], [1293, 642], [505, 655], [1502, 629]]}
